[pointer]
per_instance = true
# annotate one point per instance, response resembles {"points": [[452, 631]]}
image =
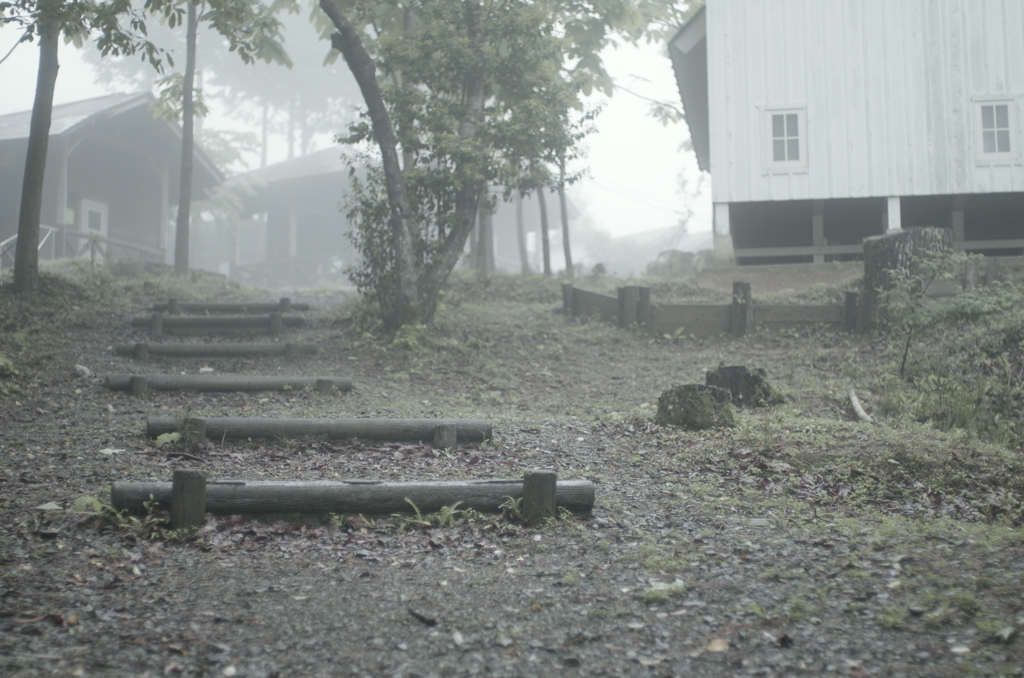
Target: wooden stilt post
{"points": [[445, 437], [538, 495], [188, 499], [139, 386]]}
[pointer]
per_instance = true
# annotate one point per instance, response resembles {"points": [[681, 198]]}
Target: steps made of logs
{"points": [[393, 430], [174, 324], [144, 351], [248, 497], [174, 306], [226, 382]]}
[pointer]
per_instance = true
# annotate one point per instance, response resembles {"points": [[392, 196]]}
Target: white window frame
{"points": [[785, 166], [1012, 129]]}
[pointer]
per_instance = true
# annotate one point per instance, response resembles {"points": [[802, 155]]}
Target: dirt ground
{"points": [[803, 542]]}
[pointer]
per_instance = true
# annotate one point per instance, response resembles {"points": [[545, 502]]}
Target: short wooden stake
{"points": [[971, 274], [445, 437], [276, 323], [188, 499], [850, 305], [173, 307], [324, 386], [742, 318], [156, 324], [139, 386], [197, 429], [538, 495], [567, 294], [286, 305], [291, 351], [140, 352]]}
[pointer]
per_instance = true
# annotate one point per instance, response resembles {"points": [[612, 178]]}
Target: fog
{"points": [[629, 207]]}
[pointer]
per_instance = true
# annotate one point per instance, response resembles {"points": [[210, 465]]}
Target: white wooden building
{"points": [[825, 121]]}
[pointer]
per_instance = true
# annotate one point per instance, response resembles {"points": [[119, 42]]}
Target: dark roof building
{"points": [[111, 171]]}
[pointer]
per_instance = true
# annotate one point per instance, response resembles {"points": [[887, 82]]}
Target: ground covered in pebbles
{"points": [[802, 542]]}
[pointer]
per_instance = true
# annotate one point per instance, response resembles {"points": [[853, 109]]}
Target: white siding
{"points": [[889, 88]]}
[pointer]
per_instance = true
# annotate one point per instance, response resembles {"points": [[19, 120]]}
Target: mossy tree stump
{"points": [[696, 407]]}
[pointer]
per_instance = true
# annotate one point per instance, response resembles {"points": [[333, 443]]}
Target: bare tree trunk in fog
{"points": [[565, 219], [544, 231], [291, 130], [181, 236], [486, 239], [521, 235]]}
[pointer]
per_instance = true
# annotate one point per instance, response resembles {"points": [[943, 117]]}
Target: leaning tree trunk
{"points": [[26, 253], [181, 235], [404, 229], [565, 220], [545, 242], [891, 252]]}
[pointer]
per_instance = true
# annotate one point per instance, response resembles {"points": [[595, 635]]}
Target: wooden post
{"points": [[567, 290], [140, 352], [276, 323], [850, 305], [993, 274], [156, 324], [291, 351], [445, 437], [324, 386], [188, 499], [139, 386], [629, 300], [971, 274], [173, 307], [643, 311], [538, 495], [197, 430], [286, 305], [741, 320]]}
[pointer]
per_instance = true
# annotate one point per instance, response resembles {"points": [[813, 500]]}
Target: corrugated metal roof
{"points": [[66, 117], [689, 54]]}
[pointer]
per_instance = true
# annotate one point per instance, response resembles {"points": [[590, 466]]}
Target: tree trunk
{"points": [[524, 256], [181, 236], [26, 253], [565, 220], [485, 235], [545, 242], [405, 230], [263, 145]]}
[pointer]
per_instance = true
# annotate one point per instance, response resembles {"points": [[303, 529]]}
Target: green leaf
{"points": [[165, 438], [87, 504]]}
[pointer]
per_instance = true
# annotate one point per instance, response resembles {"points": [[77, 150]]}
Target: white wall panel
{"points": [[889, 88]]}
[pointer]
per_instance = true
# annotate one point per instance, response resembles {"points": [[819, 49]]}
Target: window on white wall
{"points": [[787, 140], [996, 138]]}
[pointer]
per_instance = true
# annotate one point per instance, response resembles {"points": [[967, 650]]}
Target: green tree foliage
{"points": [[470, 93], [118, 29]]}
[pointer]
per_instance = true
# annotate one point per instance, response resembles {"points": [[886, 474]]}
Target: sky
{"points": [[634, 161]]}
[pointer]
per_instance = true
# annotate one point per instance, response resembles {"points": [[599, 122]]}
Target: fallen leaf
{"points": [[718, 645], [83, 371], [229, 670], [300, 597], [50, 507], [960, 650], [457, 637], [429, 621], [635, 626], [650, 661]]}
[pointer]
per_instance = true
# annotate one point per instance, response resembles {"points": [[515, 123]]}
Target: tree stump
{"points": [[538, 495], [695, 407], [188, 499], [748, 388], [896, 251]]}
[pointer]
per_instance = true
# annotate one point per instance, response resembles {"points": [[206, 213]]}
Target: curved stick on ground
{"points": [[861, 414]]}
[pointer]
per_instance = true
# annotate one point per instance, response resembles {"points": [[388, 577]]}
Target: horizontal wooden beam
{"points": [[1012, 243], [808, 250], [226, 382], [202, 307], [293, 496], [408, 430], [215, 350]]}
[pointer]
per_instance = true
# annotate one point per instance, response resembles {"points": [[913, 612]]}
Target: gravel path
{"points": [[686, 568]]}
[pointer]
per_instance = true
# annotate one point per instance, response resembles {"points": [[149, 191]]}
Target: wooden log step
{"points": [[272, 323], [295, 496], [395, 430], [283, 306], [214, 350], [226, 382]]}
